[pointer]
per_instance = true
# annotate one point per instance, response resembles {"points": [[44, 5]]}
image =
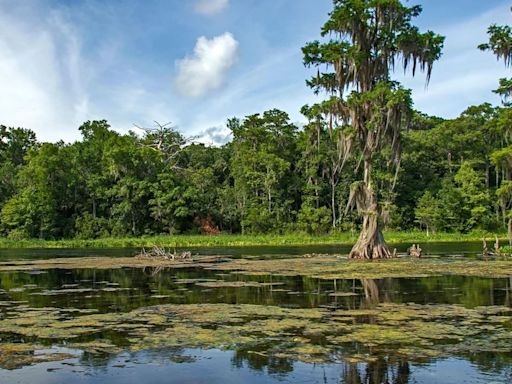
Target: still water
{"points": [[451, 248], [128, 289]]}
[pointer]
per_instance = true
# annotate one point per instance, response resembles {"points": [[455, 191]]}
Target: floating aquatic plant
{"points": [[310, 335]]}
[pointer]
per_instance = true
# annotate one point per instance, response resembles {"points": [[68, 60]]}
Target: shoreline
{"points": [[229, 240]]}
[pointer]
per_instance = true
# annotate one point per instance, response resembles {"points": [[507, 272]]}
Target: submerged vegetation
{"points": [[412, 331], [332, 268], [16, 355]]}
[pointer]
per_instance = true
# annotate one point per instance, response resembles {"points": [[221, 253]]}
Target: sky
{"points": [[196, 63]]}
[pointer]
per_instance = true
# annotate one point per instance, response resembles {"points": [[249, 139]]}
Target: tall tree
{"points": [[15, 143], [43, 204], [262, 163], [500, 43], [367, 38], [503, 160]]}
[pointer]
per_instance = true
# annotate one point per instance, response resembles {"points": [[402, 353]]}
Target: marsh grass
{"points": [[229, 240]]}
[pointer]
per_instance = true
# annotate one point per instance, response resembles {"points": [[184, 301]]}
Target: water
{"points": [[451, 248], [127, 289], [220, 367]]}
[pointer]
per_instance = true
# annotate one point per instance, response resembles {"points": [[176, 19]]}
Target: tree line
{"points": [[362, 147], [273, 177]]}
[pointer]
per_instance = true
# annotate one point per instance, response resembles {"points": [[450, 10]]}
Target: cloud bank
{"points": [[206, 69], [210, 7], [42, 73]]}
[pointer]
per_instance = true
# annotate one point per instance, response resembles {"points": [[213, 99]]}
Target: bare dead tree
{"points": [[166, 140]]}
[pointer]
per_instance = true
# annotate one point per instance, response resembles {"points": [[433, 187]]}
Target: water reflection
{"points": [[378, 372], [122, 290], [381, 371], [371, 291], [129, 288], [262, 361], [214, 366], [471, 248], [479, 368]]}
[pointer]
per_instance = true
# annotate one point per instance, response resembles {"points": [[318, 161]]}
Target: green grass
{"points": [[228, 240]]}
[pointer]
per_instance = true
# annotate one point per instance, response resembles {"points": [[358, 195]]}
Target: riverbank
{"points": [[228, 240]]}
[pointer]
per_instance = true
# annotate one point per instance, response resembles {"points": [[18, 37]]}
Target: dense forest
{"points": [[272, 177]]}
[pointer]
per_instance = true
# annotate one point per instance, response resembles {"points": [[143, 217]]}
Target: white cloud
{"points": [[210, 7], [42, 74], [217, 135], [206, 69], [51, 83]]}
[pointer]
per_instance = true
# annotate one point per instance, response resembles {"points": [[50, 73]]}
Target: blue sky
{"points": [[198, 62]]}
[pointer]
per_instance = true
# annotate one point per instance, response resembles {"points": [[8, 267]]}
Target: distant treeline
{"points": [[271, 178]]}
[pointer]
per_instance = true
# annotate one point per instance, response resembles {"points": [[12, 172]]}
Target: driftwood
{"points": [[485, 251], [315, 255], [157, 253], [415, 251], [497, 249]]}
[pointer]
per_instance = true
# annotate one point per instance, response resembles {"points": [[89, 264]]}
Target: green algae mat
{"points": [[265, 308], [326, 267]]}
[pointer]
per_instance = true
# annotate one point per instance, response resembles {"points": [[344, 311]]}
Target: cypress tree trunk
{"points": [[371, 243]]}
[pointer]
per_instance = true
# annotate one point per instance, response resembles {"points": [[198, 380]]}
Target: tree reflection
{"points": [[377, 372], [371, 291], [126, 289], [260, 360]]}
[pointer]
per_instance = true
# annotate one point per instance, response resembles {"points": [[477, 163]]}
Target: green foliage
{"points": [[314, 220], [236, 240], [427, 210], [15, 143], [500, 43], [475, 197], [450, 216], [273, 178], [89, 227], [262, 167], [502, 158]]}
